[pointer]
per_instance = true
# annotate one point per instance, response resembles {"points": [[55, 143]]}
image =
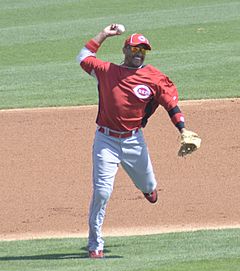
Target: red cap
{"points": [[136, 39]]}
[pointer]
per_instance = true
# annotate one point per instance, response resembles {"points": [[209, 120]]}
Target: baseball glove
{"points": [[190, 142]]}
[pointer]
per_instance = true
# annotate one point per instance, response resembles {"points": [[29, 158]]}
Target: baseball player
{"points": [[129, 94]]}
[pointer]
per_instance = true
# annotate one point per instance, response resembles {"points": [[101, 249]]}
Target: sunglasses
{"points": [[135, 50]]}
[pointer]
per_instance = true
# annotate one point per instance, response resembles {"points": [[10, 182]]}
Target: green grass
{"points": [[201, 250], [195, 42]]}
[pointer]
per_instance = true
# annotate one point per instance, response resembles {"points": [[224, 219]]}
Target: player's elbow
{"points": [[84, 53]]}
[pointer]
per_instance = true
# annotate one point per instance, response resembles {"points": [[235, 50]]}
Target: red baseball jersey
{"points": [[124, 93]]}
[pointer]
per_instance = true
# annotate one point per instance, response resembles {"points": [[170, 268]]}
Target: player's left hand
{"points": [[190, 142]]}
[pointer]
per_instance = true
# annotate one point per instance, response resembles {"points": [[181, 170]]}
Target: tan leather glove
{"points": [[190, 142]]}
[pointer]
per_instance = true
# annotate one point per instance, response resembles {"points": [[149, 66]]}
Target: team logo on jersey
{"points": [[142, 91]]}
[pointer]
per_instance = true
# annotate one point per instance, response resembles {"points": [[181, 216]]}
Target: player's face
{"points": [[134, 55]]}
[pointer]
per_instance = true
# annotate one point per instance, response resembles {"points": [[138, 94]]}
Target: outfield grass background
{"points": [[195, 42], [215, 250]]}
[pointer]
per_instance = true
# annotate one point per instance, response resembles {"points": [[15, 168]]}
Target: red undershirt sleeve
{"points": [[92, 45], [168, 98]]}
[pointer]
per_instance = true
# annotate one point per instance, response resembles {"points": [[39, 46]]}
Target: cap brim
{"points": [[148, 47]]}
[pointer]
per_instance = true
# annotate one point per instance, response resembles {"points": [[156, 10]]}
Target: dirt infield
{"points": [[45, 173]]}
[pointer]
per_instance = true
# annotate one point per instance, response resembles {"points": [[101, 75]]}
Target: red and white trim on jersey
{"points": [[89, 50]]}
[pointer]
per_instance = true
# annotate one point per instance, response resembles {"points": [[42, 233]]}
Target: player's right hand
{"points": [[111, 30]]}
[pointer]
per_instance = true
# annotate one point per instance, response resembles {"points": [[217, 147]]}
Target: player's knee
{"points": [[103, 195]]}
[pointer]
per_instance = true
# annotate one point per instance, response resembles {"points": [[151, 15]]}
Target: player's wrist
{"points": [[100, 37], [182, 130]]}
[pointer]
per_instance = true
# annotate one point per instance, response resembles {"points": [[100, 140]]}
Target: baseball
{"points": [[120, 28]]}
